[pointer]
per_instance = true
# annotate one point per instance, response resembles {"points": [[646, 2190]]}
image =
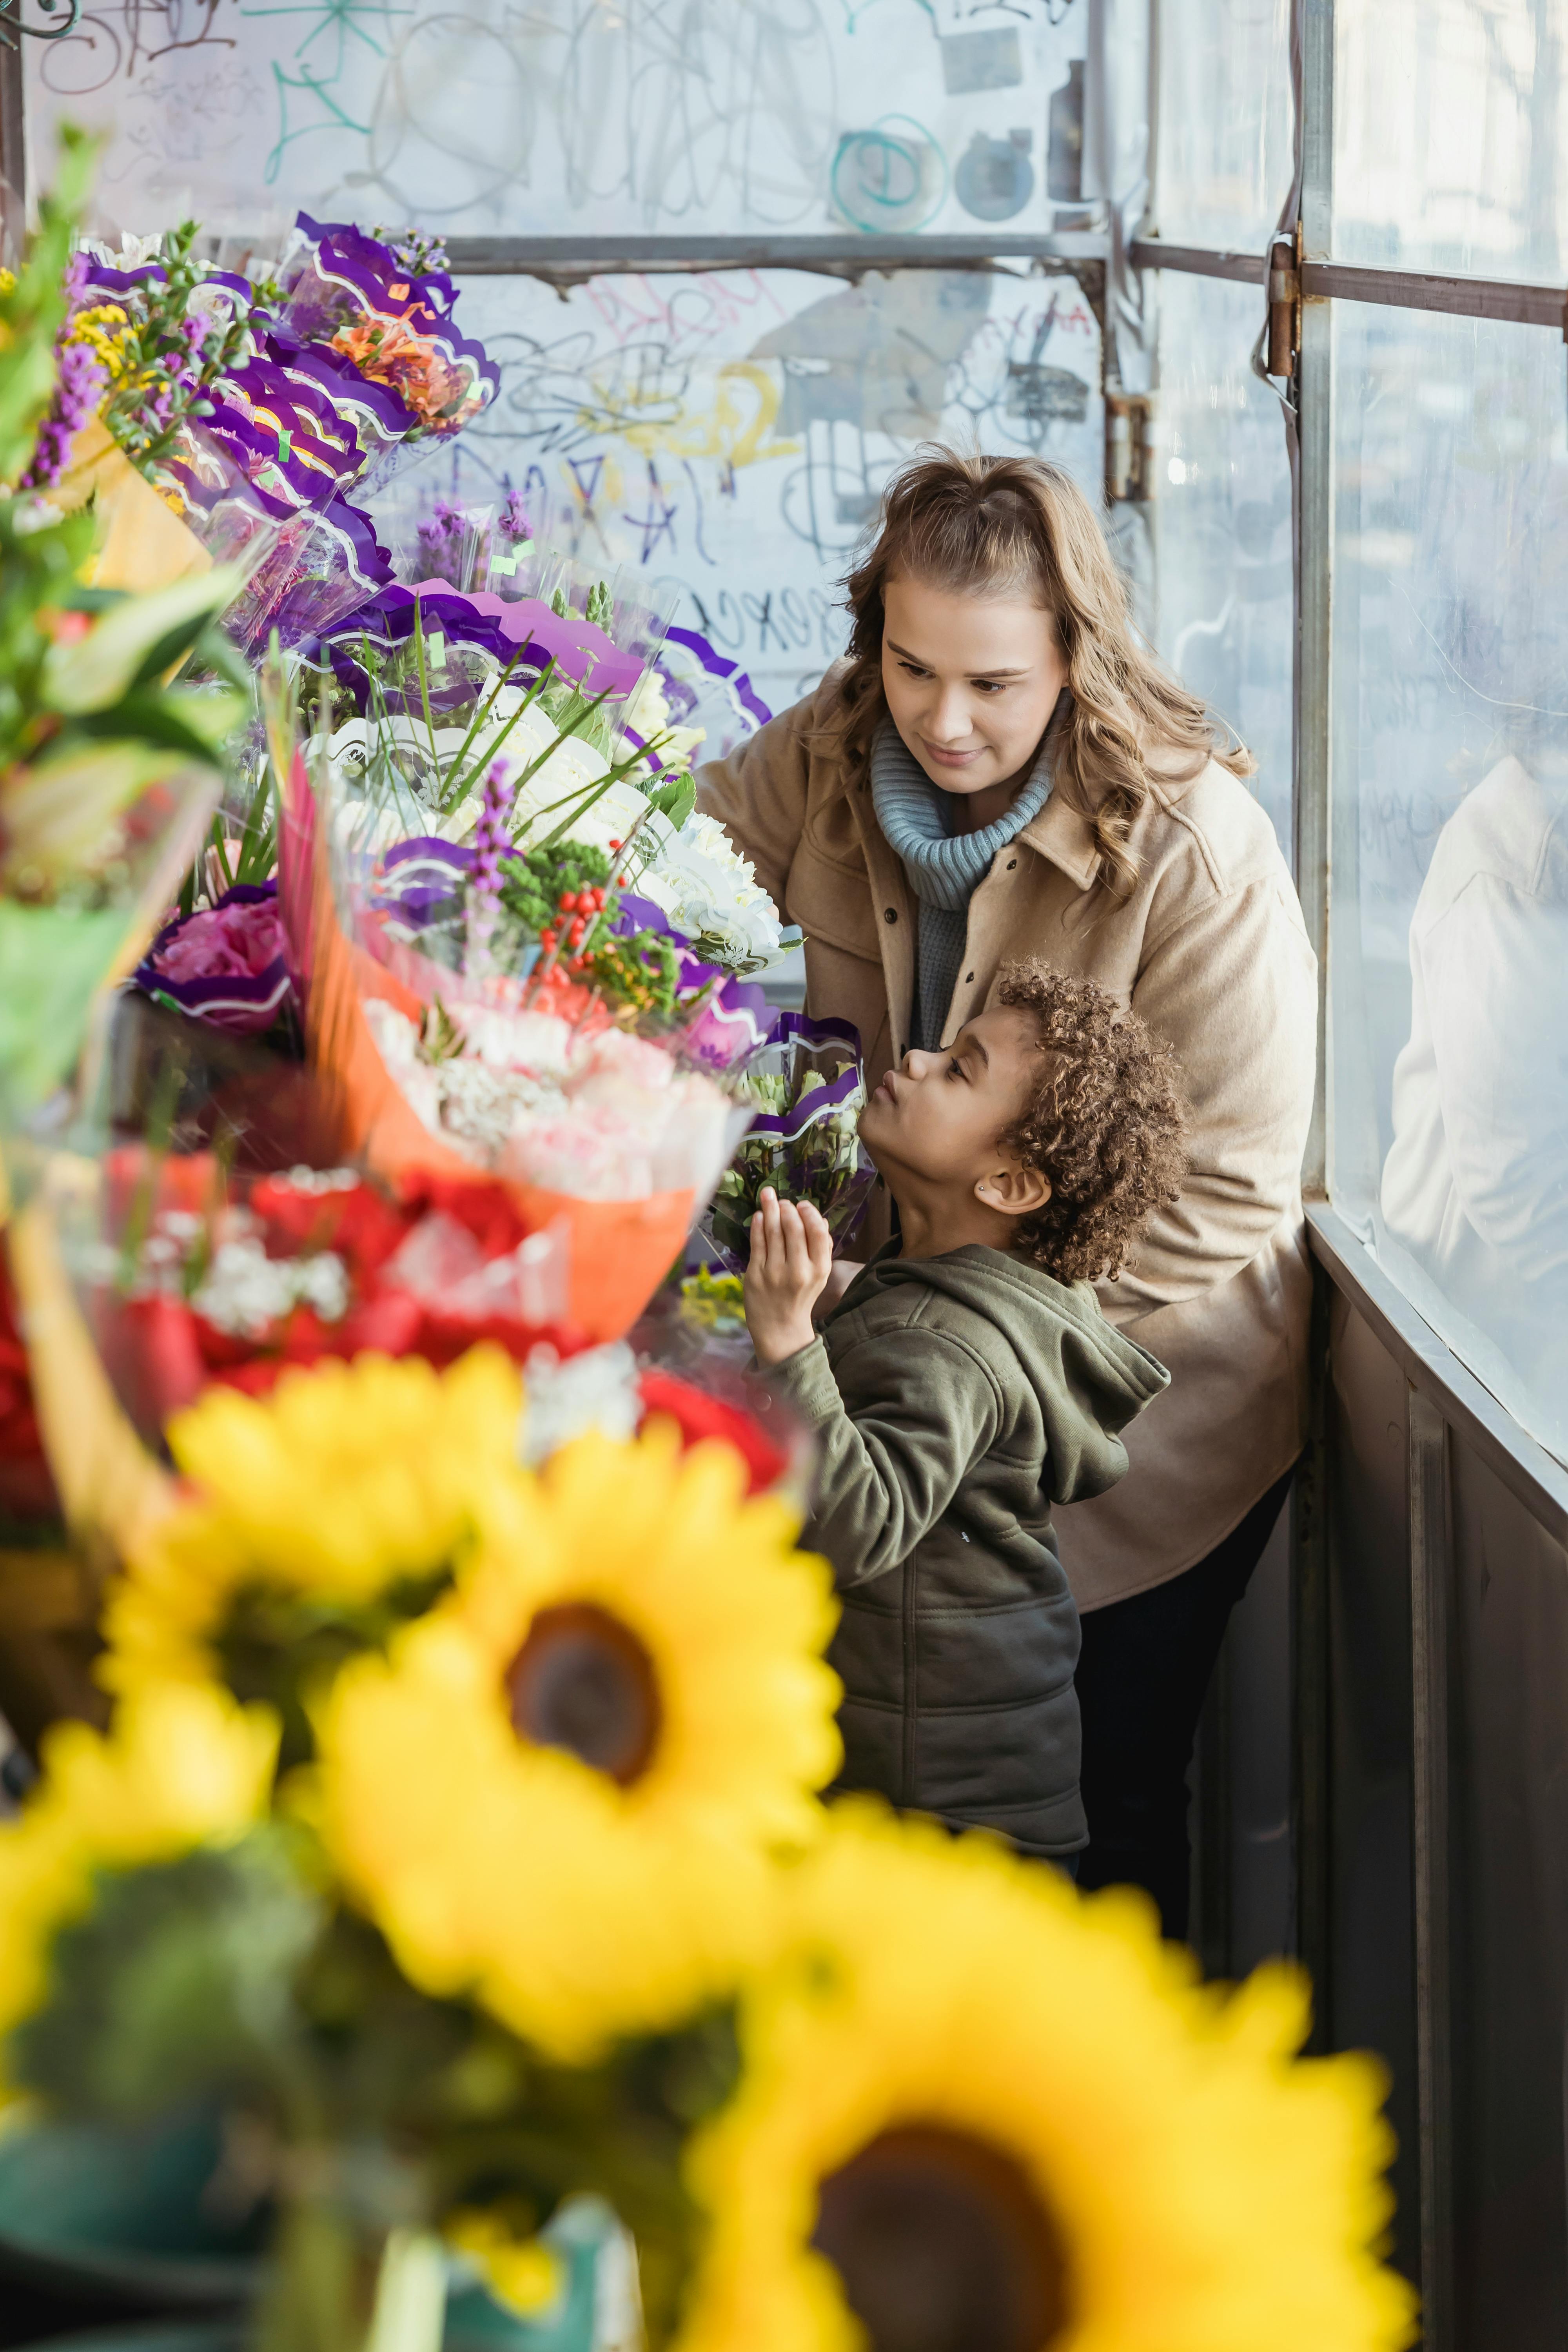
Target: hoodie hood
{"points": [[1090, 1380]]}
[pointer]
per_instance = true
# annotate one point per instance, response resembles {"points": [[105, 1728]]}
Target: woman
{"points": [[997, 770]]}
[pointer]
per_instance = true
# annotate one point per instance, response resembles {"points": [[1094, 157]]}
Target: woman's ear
{"points": [[1015, 1191]]}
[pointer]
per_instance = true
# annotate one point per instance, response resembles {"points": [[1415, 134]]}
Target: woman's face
{"points": [[970, 681]]}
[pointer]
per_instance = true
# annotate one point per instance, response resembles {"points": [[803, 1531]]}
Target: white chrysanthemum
{"points": [[711, 893], [647, 715]]}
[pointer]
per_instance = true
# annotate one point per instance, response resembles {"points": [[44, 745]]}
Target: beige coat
{"points": [[1211, 949]]}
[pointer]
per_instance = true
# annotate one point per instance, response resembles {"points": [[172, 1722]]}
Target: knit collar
{"points": [[944, 868]]}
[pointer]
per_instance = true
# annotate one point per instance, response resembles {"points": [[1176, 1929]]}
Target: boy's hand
{"points": [[792, 1257]]}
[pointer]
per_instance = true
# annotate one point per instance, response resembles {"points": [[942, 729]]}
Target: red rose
{"points": [[699, 1414]]}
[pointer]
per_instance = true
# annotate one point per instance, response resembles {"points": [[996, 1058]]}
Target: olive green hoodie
{"points": [[954, 1399]]}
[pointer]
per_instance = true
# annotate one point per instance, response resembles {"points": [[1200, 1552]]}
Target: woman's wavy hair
{"points": [[992, 527]]}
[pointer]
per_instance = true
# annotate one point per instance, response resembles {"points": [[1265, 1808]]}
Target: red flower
{"points": [[698, 1414], [359, 1223]]}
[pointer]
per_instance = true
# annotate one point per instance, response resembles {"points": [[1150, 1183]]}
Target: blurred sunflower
{"points": [[350, 1493], [182, 1767], [563, 1788], [978, 2113]]}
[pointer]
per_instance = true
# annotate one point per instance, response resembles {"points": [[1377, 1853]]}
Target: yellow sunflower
{"points": [[978, 2111], [565, 1787], [348, 1480], [181, 1767]]}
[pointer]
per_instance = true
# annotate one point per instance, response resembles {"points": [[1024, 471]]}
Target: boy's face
{"points": [[938, 1118]]}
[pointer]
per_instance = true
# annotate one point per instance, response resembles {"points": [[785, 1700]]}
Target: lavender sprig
{"points": [[491, 842], [78, 387]]}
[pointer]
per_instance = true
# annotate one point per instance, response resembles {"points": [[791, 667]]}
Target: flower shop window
{"points": [[1448, 1080]]}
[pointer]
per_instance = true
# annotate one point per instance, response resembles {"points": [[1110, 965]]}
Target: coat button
{"points": [[890, 914], [968, 979], [1011, 863]]}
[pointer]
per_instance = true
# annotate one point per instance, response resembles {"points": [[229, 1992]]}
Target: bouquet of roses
{"points": [[804, 1142], [193, 1276]]}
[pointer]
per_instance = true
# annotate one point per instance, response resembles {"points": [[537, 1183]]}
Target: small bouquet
{"points": [[356, 295], [225, 963], [509, 1001], [193, 1278], [810, 1087]]}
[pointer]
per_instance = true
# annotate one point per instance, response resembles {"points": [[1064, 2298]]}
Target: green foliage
{"points": [[227, 1976], [280, 1646], [534, 883], [176, 1985], [641, 973], [156, 355], [675, 798], [33, 309]]}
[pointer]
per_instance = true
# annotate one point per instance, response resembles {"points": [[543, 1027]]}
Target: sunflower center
{"points": [[582, 1681], [942, 2246]]}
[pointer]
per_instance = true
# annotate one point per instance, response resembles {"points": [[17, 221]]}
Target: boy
{"points": [[965, 1381]]}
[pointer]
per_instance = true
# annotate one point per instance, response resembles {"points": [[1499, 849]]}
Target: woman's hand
{"points": [[792, 1258]]}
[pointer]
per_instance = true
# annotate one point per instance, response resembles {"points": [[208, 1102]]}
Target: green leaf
{"points": [[134, 641], [178, 1983], [56, 814], [52, 961], [675, 800], [195, 723]]}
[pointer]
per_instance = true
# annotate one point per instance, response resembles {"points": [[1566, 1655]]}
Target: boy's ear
{"points": [[1015, 1191]]}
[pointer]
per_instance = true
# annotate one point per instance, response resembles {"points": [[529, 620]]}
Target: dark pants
{"points": [[1142, 1675]]}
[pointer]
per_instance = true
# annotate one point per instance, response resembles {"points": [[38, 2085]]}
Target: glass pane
{"points": [[734, 431], [1449, 132], [1225, 152], [1224, 613], [1448, 1047], [626, 117]]}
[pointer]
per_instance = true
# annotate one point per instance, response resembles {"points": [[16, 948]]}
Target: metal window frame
{"points": [[1447, 1406]]}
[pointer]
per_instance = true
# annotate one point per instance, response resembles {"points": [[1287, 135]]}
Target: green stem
{"points": [[335, 2287]]}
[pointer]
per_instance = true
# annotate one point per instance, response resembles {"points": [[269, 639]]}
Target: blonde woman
{"points": [[998, 770]]}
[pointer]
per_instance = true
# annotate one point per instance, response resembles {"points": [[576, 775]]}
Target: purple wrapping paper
{"points": [[490, 623], [808, 1150], [333, 274]]}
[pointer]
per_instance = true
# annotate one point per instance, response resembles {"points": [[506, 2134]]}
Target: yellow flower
{"points": [[346, 1481], [565, 1786], [966, 2087], [523, 2273], [105, 330], [181, 1767]]}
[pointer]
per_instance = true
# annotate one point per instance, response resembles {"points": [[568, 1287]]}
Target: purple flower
{"points": [[513, 520], [79, 388], [441, 537], [492, 833]]}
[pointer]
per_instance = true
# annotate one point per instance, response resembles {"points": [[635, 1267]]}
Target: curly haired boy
{"points": [[964, 1382]]}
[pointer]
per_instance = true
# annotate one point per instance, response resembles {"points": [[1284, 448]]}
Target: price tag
{"points": [[435, 650], [504, 563], [284, 443]]}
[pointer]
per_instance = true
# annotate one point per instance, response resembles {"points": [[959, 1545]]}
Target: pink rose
{"points": [[223, 943]]}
